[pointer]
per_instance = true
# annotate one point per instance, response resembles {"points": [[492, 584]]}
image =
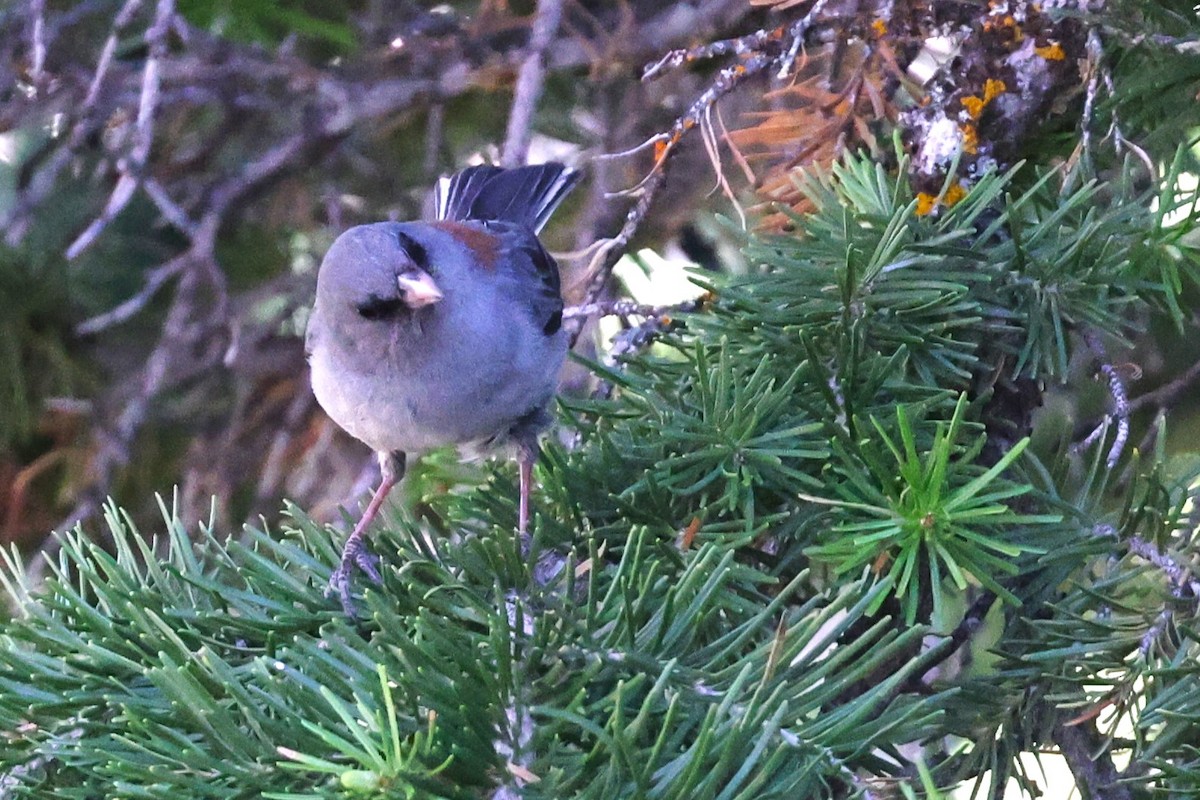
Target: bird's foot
{"points": [[355, 554], [525, 541]]}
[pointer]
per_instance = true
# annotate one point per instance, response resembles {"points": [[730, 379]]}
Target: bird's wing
{"points": [[529, 274]]}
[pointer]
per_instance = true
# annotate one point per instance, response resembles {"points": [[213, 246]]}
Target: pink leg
{"points": [[525, 466], [354, 552]]}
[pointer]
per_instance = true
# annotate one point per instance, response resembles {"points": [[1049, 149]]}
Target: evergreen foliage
{"points": [[795, 552]]}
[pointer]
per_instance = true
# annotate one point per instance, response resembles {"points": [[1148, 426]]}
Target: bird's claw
{"points": [[354, 554], [368, 562]]}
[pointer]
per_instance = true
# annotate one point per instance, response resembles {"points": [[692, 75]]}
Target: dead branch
{"points": [[1165, 396], [37, 35], [131, 168], [155, 280], [529, 82], [756, 53]]}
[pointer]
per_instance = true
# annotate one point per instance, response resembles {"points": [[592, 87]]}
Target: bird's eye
{"points": [[380, 308], [415, 250]]}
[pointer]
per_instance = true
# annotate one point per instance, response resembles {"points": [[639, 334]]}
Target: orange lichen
{"points": [[970, 139], [975, 105], [926, 202], [1051, 52], [954, 194], [991, 88], [880, 27], [1007, 21]]}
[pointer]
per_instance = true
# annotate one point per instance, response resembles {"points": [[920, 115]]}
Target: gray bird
{"points": [[425, 334]]}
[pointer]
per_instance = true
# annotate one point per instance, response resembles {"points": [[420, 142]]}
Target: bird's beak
{"points": [[418, 289]]}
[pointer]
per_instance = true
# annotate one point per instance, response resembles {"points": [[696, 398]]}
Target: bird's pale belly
{"points": [[398, 412]]}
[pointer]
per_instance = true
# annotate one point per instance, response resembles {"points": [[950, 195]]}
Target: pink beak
{"points": [[418, 289]]}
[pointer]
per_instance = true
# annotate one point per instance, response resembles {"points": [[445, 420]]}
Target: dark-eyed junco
{"points": [[425, 334]]}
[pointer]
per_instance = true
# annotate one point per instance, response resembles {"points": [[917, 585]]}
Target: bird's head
{"points": [[379, 271]]}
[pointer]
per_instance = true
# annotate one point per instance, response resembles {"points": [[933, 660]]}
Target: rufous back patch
{"points": [[477, 240]]}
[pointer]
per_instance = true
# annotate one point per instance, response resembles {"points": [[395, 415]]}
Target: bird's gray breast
{"points": [[457, 372]]}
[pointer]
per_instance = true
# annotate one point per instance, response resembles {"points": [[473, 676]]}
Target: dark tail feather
{"points": [[454, 195], [527, 195]]}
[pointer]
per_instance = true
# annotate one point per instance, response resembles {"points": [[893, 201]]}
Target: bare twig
{"points": [[1155, 632], [44, 180], [1120, 411], [1095, 51], [122, 20], [637, 148], [529, 82], [1116, 388], [756, 52], [1166, 395], [738, 46], [1093, 437], [156, 279], [624, 308], [609, 252], [131, 167], [1183, 583], [797, 33], [267, 167], [171, 212], [1176, 573], [37, 36], [634, 338]]}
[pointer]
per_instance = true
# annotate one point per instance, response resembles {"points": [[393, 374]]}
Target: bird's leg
{"points": [[355, 552], [527, 453], [525, 466]]}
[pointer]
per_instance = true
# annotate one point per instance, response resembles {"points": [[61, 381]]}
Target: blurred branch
{"points": [[131, 168], [122, 20], [1166, 395], [155, 280], [37, 36], [529, 82], [1090, 762], [170, 211]]}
